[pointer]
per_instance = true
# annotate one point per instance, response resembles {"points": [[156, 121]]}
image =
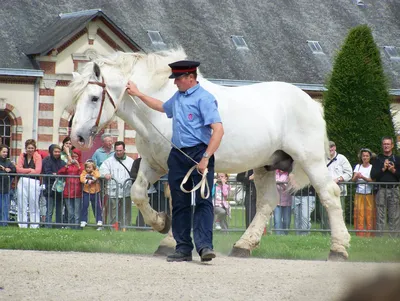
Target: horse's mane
{"points": [[156, 64]]}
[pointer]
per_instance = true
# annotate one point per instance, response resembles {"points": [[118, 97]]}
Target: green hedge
{"points": [[357, 102]]}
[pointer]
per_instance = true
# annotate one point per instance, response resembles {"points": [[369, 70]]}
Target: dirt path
{"points": [[31, 275]]}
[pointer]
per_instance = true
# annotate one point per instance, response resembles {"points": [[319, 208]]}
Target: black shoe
{"points": [[207, 254], [179, 256]]}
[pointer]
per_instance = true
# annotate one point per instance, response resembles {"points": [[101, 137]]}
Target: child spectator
{"points": [[73, 188], [222, 208], [6, 166], [91, 192]]}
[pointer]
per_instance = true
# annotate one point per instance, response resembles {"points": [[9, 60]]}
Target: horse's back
{"points": [[262, 118]]}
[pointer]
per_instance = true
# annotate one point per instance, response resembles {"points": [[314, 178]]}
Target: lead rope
{"points": [[203, 184]]}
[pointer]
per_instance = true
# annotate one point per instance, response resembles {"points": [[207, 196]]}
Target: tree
{"points": [[357, 102]]}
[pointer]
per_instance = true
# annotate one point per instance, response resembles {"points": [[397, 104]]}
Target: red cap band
{"points": [[183, 70]]}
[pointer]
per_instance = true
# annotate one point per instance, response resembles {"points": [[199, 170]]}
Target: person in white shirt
{"points": [[116, 170], [340, 170], [364, 203]]}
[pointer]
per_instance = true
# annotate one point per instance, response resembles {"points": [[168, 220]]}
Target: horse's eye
{"points": [[95, 99]]}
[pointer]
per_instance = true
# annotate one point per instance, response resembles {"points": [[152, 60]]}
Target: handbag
{"points": [[58, 185]]}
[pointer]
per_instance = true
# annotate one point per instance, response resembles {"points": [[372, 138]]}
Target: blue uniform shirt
{"points": [[192, 111]]}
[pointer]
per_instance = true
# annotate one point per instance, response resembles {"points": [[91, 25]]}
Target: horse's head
{"points": [[96, 92], [98, 89]]}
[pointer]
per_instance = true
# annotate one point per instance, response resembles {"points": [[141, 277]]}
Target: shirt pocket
{"points": [[191, 115]]}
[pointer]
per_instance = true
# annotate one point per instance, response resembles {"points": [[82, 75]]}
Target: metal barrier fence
{"points": [[53, 201]]}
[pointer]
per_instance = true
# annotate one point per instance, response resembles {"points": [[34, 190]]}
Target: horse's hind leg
{"points": [[267, 199], [329, 194]]}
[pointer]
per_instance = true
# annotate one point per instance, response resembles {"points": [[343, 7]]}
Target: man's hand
{"points": [[132, 89], [202, 165], [391, 167], [251, 178], [385, 165], [151, 102], [108, 177]]}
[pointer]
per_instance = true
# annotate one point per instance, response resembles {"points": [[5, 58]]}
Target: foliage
{"points": [[357, 102]]}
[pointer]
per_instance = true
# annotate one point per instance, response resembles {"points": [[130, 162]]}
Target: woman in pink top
{"points": [[221, 205], [282, 212], [28, 189]]}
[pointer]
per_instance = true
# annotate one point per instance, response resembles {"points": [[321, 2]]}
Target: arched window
{"points": [[5, 128]]}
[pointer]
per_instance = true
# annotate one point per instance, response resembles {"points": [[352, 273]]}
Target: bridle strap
{"points": [[103, 98]]}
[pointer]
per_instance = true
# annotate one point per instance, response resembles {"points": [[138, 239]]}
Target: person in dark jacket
{"points": [[386, 168], [6, 166], [50, 166], [250, 197]]}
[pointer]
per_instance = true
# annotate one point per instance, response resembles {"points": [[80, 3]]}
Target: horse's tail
{"points": [[298, 178]]}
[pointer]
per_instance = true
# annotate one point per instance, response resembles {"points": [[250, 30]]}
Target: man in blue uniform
{"points": [[197, 131]]}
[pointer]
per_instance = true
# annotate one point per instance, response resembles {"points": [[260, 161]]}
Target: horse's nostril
{"points": [[81, 140]]}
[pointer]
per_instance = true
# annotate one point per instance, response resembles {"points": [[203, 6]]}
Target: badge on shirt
{"points": [[190, 116]]}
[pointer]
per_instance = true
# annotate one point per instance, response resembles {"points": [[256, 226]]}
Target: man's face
{"points": [[119, 151], [4, 152], [107, 142], [184, 82], [332, 150], [56, 153], [387, 146]]}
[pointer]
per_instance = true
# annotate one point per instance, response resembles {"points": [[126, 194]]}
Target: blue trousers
{"points": [[4, 208], [95, 200], [54, 199], [203, 217], [282, 218]]}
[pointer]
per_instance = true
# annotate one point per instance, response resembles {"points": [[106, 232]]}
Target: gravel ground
{"points": [[33, 275]]}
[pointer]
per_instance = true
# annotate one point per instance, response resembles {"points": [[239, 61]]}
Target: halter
{"points": [[94, 129]]}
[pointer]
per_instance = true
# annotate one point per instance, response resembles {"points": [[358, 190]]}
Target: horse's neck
{"points": [[134, 115]]}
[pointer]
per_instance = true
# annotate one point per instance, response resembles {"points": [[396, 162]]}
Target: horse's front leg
{"points": [[267, 199], [168, 244], [159, 221]]}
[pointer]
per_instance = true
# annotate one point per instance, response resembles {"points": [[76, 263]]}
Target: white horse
{"points": [[267, 126]]}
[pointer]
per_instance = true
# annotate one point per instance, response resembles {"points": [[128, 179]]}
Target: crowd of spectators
{"points": [[57, 180], [375, 207]]}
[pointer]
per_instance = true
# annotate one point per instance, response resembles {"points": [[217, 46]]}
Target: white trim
{"points": [[47, 130], [130, 149], [46, 115], [46, 99], [21, 72], [130, 134]]}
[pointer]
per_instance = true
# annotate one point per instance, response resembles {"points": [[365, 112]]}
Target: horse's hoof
{"points": [[336, 256], [163, 251], [239, 252], [167, 223]]}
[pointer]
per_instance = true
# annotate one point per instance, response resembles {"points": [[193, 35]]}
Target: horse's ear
{"points": [[96, 70]]}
